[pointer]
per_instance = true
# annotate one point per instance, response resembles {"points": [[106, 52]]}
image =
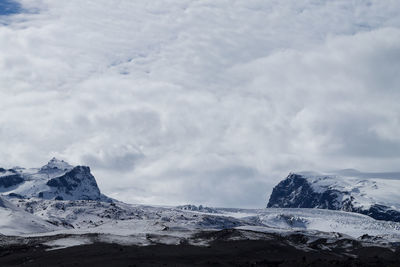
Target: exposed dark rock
{"points": [[16, 195], [76, 184], [2, 203], [10, 180], [380, 212], [200, 208], [296, 192]]}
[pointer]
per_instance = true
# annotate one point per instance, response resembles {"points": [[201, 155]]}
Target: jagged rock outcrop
{"points": [[76, 184], [199, 208]]}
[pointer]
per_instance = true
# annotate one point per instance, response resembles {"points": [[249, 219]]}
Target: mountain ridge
{"points": [[376, 198]]}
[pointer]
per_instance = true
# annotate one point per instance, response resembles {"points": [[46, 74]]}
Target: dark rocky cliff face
{"points": [[296, 192], [76, 184]]}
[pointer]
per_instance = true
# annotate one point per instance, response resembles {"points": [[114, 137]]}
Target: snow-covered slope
{"points": [[375, 197], [141, 225], [55, 180], [16, 221]]}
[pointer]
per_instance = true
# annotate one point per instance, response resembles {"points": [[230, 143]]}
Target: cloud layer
{"points": [[207, 102]]}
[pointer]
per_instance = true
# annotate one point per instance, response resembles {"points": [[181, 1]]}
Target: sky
{"points": [[207, 102]]}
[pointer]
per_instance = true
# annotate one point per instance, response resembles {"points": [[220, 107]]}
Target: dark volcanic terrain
{"points": [[272, 250]]}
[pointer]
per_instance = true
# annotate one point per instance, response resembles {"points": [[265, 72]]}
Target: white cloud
{"points": [[207, 102]]}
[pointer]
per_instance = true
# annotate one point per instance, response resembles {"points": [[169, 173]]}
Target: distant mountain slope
{"points": [[375, 197], [56, 180]]}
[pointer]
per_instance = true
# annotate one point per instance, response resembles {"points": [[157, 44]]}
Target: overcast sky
{"points": [[200, 101]]}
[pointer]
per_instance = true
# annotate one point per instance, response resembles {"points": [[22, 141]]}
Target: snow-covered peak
{"points": [[55, 180], [56, 164], [377, 197], [365, 189]]}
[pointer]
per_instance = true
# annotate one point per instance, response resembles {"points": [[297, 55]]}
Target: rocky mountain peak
{"points": [[55, 180], [56, 164], [77, 183]]}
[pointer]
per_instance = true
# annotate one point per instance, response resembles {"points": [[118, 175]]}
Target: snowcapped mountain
{"points": [[59, 205], [371, 195], [56, 180]]}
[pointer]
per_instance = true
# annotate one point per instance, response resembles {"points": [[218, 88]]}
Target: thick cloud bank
{"points": [[207, 101]]}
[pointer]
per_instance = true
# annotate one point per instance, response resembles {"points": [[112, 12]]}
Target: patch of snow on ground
{"points": [[67, 242]]}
